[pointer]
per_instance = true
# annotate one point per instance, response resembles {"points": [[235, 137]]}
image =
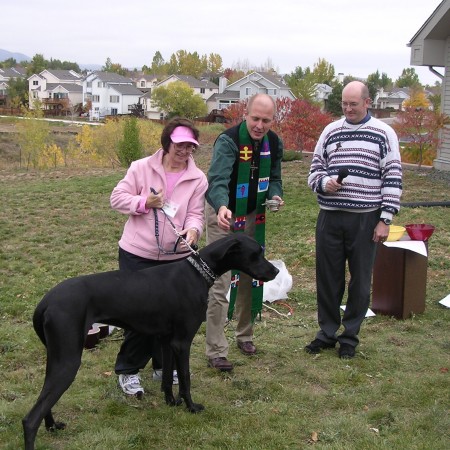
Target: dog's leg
{"points": [[181, 351], [62, 367], [167, 378]]}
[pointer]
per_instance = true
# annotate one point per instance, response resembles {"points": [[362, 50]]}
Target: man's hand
{"points": [[223, 218], [381, 232]]}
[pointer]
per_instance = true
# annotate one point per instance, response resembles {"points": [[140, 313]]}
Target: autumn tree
{"points": [[323, 72], [435, 101], [420, 127], [158, 66], [8, 63], [130, 147], [178, 99], [334, 100], [408, 78], [375, 82], [234, 114], [299, 123], [417, 98], [37, 64], [215, 63], [186, 63], [233, 75], [17, 92], [114, 67], [33, 137]]}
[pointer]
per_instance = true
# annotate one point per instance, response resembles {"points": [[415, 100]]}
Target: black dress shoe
{"points": [[247, 348], [317, 346], [221, 364], [346, 351]]}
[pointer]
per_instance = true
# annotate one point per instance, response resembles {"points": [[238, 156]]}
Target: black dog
{"points": [[168, 300]]}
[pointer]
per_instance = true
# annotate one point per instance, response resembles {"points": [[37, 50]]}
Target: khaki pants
{"points": [[216, 316]]}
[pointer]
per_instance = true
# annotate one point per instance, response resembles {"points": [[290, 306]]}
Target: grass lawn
{"points": [[393, 395]]}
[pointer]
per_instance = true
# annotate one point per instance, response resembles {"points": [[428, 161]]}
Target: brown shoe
{"points": [[221, 364], [247, 348]]}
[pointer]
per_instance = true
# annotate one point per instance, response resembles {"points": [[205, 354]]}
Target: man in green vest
{"points": [[245, 171]]}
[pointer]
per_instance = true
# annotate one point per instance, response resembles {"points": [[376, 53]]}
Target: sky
{"points": [[356, 37]]}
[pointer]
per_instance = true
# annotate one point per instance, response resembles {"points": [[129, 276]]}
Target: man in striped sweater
{"points": [[355, 214]]}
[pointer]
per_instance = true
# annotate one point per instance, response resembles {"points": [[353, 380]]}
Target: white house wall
{"points": [[442, 162]]}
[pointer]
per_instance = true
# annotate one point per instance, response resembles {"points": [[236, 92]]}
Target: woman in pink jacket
{"points": [[157, 191]]}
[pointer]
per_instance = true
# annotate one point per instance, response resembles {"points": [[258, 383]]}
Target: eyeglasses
{"points": [[351, 104], [180, 146]]}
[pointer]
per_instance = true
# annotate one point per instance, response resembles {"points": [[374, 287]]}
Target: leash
{"points": [[191, 249], [199, 264]]}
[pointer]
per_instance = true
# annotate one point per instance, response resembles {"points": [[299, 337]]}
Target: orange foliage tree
{"points": [[419, 129], [297, 122], [300, 123]]}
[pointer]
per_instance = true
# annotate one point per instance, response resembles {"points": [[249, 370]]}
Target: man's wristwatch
{"points": [[386, 221]]}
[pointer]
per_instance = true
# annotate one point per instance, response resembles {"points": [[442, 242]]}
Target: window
{"points": [[114, 111], [89, 84], [96, 98], [272, 92], [142, 83], [113, 99], [248, 91], [202, 90], [35, 82]]}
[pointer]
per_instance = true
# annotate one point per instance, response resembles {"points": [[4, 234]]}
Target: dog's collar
{"points": [[204, 269]]}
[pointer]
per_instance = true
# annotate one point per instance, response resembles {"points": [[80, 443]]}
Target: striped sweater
{"points": [[370, 152]]}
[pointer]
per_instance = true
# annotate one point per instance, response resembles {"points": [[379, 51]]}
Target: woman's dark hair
{"points": [[168, 129]]}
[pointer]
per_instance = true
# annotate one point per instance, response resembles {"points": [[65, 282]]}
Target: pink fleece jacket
{"points": [[131, 192]]}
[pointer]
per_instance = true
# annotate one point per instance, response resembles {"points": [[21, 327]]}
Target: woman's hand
{"points": [[155, 200]]}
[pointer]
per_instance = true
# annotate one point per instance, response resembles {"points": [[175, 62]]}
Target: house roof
{"points": [[436, 26], [145, 77], [63, 74], [69, 87], [226, 95], [111, 77], [194, 82], [12, 73], [126, 89], [255, 77]]}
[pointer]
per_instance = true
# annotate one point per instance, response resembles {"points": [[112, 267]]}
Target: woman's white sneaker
{"points": [[157, 376], [131, 384]]}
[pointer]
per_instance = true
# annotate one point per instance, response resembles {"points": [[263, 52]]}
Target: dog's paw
{"points": [[170, 400], [56, 426], [196, 408]]}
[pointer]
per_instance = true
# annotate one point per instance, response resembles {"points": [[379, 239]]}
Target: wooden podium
{"points": [[399, 282]]}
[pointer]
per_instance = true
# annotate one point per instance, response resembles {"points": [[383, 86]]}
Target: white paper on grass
{"points": [[445, 301], [369, 312]]}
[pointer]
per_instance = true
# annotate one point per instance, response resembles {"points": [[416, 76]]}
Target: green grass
{"points": [[393, 395]]}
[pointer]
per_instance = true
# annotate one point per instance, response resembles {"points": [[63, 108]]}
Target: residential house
{"points": [[392, 99], [5, 76], [204, 88], [322, 93], [55, 89], [430, 46], [145, 83], [251, 84], [110, 94]]}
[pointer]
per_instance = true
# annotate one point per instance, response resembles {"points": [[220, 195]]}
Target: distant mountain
{"points": [[19, 57]]}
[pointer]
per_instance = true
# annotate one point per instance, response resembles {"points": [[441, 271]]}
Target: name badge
{"points": [[170, 208]]}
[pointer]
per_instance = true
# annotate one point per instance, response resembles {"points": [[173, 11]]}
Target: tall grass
{"points": [[393, 395]]}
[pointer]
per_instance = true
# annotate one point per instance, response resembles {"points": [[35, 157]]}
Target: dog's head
{"points": [[239, 252]]}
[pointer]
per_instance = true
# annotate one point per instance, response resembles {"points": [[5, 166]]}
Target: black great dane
{"points": [[168, 300]]}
